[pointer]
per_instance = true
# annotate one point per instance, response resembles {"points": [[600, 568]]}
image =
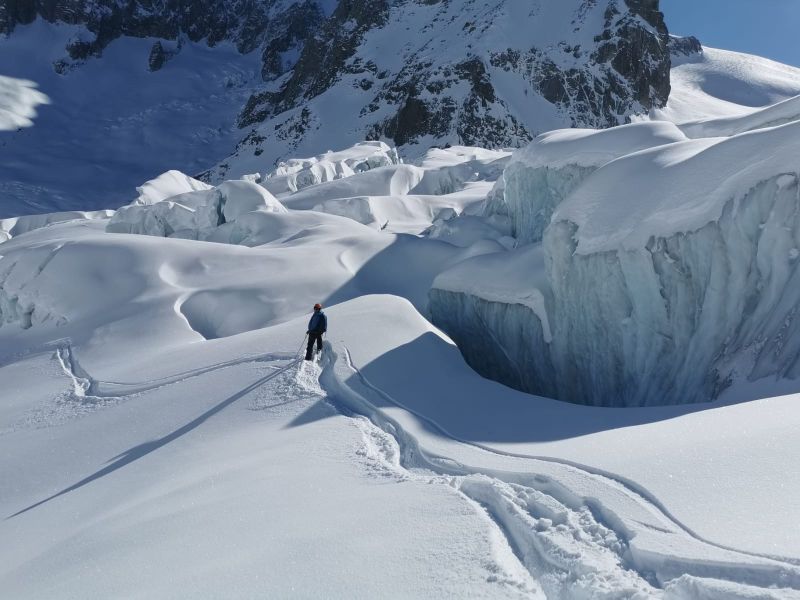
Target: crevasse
{"points": [[665, 296], [662, 324]]}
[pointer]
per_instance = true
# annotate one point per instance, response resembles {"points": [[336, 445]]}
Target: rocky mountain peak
{"points": [[278, 28], [464, 72]]}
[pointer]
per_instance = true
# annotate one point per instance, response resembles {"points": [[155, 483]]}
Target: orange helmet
{"points": [[317, 306]]}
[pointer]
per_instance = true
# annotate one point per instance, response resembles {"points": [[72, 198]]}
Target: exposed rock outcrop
{"points": [[417, 72]]}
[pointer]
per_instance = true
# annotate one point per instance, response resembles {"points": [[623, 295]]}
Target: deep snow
{"points": [[157, 404], [160, 436]]}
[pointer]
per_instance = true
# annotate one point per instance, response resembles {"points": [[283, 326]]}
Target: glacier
{"points": [[541, 175], [196, 342], [669, 273], [194, 214], [156, 415], [298, 173]]}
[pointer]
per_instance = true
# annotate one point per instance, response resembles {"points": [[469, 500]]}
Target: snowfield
{"points": [[719, 83], [567, 371], [165, 438]]}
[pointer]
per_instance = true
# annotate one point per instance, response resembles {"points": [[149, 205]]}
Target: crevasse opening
{"points": [[673, 320]]}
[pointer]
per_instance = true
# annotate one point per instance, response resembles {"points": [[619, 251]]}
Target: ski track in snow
{"points": [[543, 533], [87, 394], [575, 547]]}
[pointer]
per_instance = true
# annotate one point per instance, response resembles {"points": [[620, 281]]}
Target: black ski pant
{"points": [[313, 336]]}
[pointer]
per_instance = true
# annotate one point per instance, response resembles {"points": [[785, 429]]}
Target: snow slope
{"points": [[165, 440], [717, 83], [111, 123], [159, 435], [221, 444], [773, 115]]}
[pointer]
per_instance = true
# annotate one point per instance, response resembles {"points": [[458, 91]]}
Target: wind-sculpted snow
{"points": [[196, 214], [365, 183], [298, 173], [158, 396], [541, 175], [14, 226], [771, 116], [166, 185], [670, 273]]}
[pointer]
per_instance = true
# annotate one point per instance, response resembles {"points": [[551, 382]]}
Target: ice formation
{"points": [[298, 173], [545, 172], [167, 185], [193, 214], [669, 272], [14, 226]]}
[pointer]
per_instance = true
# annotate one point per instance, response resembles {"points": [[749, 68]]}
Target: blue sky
{"points": [[768, 28]]}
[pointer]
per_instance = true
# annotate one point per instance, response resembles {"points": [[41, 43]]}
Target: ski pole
{"points": [[300, 350]]}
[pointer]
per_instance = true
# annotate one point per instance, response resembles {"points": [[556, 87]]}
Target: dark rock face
{"points": [[415, 72], [684, 46], [159, 56], [456, 77], [324, 57], [276, 26]]}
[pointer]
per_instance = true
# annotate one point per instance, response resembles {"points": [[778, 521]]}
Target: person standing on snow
{"points": [[316, 327]]}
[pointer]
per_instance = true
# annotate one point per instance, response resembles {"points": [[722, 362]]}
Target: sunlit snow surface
{"points": [[160, 436], [158, 419]]}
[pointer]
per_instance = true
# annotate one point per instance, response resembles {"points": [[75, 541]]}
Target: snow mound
{"points": [[594, 147], [687, 186], [542, 174], [671, 273], [167, 185], [14, 226], [193, 214], [298, 173], [771, 116], [394, 180], [719, 83], [18, 101]]}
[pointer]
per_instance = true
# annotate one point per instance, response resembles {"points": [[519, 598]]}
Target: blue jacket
{"points": [[318, 322]]}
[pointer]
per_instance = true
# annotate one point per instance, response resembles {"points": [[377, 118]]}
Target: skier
{"points": [[316, 327]]}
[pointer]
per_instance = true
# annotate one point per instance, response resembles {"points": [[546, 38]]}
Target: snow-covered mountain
{"points": [[478, 73], [176, 84], [567, 370], [275, 28], [140, 89]]}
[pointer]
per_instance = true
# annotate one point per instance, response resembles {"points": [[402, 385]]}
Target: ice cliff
{"points": [[193, 214], [546, 171], [661, 277]]}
